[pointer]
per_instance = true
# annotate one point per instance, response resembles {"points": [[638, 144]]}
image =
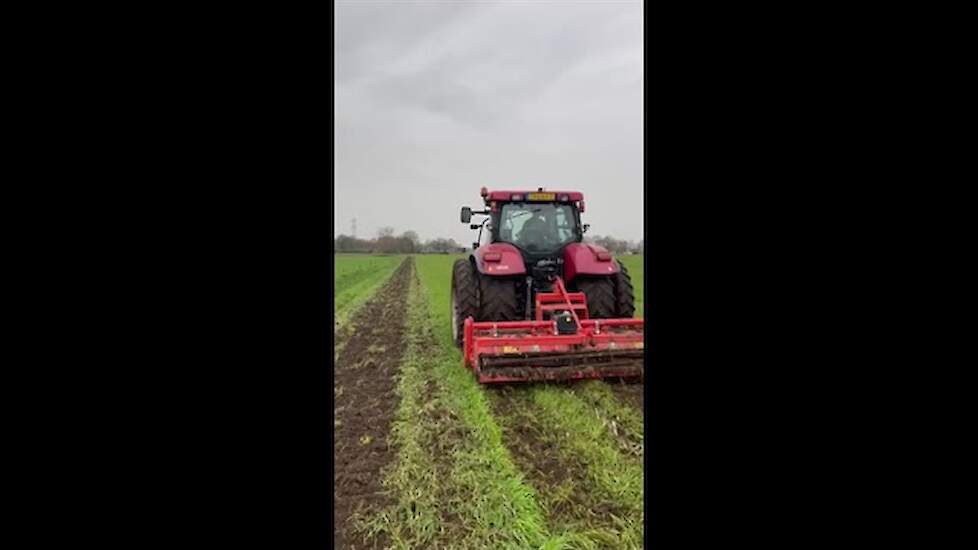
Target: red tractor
{"points": [[532, 302]]}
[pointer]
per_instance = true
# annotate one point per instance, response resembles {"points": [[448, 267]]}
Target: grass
{"points": [[576, 506], [625, 422], [456, 483], [580, 435], [414, 521], [616, 476], [356, 277], [468, 494]]}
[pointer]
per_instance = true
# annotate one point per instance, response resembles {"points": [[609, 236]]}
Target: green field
{"points": [[469, 466], [356, 277]]}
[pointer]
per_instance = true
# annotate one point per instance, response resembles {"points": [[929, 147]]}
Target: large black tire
{"points": [[600, 294], [624, 293], [497, 299], [465, 298]]}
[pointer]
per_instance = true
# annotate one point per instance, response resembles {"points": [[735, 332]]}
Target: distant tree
{"points": [[386, 245], [405, 245], [346, 243], [441, 246], [343, 243], [613, 245], [385, 232], [411, 236]]}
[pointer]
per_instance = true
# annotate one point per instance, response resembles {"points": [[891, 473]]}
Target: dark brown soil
{"points": [[632, 393], [341, 335], [363, 387], [533, 447], [440, 434]]}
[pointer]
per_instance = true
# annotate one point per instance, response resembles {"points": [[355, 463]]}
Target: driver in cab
{"points": [[534, 233]]}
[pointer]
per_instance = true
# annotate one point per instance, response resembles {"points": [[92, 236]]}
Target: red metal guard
{"points": [[534, 340]]}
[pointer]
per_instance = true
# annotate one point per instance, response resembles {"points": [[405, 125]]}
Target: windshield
{"points": [[537, 226]]}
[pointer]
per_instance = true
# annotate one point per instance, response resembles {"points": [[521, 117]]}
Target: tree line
{"points": [[408, 242], [618, 246], [387, 242]]}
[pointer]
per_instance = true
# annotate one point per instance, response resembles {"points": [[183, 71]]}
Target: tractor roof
{"points": [[527, 194]]}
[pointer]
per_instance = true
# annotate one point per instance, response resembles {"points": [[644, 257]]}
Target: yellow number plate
{"points": [[541, 196]]}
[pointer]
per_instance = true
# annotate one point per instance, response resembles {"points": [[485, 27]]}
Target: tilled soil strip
{"points": [[363, 388], [562, 485], [618, 411], [454, 484], [425, 433], [631, 393]]}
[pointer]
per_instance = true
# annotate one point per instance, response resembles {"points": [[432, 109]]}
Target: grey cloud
{"points": [[435, 99]]}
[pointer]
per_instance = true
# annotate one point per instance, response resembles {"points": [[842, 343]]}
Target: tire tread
{"points": [[497, 299], [466, 295], [600, 293], [624, 293]]}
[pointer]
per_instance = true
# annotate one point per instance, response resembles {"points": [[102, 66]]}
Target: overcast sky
{"points": [[435, 99]]}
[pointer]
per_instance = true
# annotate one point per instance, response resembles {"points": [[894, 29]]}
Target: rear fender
{"points": [[510, 260], [582, 259]]}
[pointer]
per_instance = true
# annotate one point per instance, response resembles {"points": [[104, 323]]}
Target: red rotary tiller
{"points": [[568, 346]]}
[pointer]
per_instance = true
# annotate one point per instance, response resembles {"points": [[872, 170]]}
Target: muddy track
{"points": [[631, 393], [561, 484], [439, 433], [363, 387]]}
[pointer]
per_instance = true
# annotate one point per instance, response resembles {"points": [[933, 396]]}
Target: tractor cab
{"points": [[539, 224], [534, 221], [537, 227]]}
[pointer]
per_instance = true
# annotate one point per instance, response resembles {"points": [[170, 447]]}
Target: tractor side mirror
{"points": [[466, 214]]}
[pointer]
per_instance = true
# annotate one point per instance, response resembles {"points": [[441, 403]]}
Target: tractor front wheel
{"points": [[465, 298]]}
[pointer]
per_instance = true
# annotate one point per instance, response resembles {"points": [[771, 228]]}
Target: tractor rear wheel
{"points": [[600, 294], [465, 298], [624, 293], [497, 299]]}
